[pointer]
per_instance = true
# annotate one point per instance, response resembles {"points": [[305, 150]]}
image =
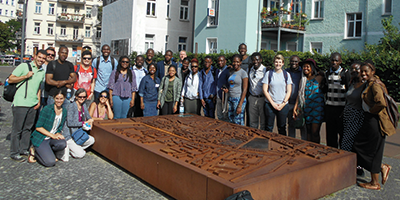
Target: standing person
{"points": [[277, 87], [104, 65], [47, 140], [149, 58], [140, 72], [100, 109], [238, 83], [148, 92], [184, 71], [207, 87], [338, 80], [163, 66], [353, 113], [246, 61], [311, 99], [222, 82], [122, 86], [60, 74], [190, 91], [370, 142], [86, 75], [256, 96], [51, 55], [295, 72], [25, 104], [170, 92], [77, 116]]}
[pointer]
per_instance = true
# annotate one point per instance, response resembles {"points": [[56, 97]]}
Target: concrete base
{"points": [[193, 157]]}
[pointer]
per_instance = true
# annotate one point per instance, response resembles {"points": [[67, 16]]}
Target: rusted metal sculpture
{"points": [[194, 157]]}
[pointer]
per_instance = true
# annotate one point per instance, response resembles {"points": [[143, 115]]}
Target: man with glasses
{"points": [[51, 54], [60, 74], [86, 75]]}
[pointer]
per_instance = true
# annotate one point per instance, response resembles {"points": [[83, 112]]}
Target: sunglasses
{"points": [[104, 96], [124, 61], [87, 58], [195, 66], [81, 97], [49, 54]]}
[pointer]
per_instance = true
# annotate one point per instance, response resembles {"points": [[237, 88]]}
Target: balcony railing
{"points": [[69, 38], [277, 18], [72, 1], [70, 17]]}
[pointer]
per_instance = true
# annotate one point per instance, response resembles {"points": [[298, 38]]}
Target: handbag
{"points": [[242, 195], [80, 136]]}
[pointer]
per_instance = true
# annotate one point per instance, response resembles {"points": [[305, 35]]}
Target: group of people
{"points": [[351, 101]]}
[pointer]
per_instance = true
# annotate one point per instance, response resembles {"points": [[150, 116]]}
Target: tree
{"points": [[6, 38], [15, 27]]}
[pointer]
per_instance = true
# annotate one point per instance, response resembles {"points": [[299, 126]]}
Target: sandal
{"points": [[370, 186], [31, 157], [385, 172]]}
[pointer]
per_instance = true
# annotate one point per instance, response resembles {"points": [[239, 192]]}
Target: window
{"points": [[387, 7], [149, 41], [120, 47], [166, 42], [64, 9], [316, 46], [38, 7], [98, 32], [270, 4], [151, 8], [12, 13], [295, 9], [274, 46], [1, 1], [211, 46], [51, 8], [291, 46], [182, 43], [354, 24], [89, 12], [76, 33], [318, 9], [168, 7], [12, 2], [50, 29], [6, 12], [213, 5], [87, 31], [0, 11], [184, 12], [63, 30], [37, 28], [7, 2]]}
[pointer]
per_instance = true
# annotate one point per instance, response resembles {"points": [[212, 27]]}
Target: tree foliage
{"points": [[8, 35]]}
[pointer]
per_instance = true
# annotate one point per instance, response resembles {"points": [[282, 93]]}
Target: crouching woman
{"points": [[78, 115], [48, 142]]}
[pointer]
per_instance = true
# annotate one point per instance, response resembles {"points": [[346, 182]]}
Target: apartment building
{"points": [[136, 25], [8, 10], [70, 23]]}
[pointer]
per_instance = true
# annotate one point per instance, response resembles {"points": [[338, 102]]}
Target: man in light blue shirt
{"points": [[104, 64], [140, 72]]}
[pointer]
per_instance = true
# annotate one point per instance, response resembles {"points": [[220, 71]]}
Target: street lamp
{"points": [[25, 4]]}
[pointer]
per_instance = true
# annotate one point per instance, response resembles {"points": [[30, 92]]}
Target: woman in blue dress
{"points": [[311, 100]]}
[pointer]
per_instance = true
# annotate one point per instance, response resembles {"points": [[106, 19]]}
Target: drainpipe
{"points": [[279, 26], [258, 26], [366, 22], [193, 24]]}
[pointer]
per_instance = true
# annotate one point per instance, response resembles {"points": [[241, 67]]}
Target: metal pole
{"points": [[258, 26], [23, 30], [279, 26]]}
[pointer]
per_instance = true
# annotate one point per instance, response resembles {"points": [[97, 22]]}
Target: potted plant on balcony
{"points": [[275, 11], [264, 13], [275, 20]]}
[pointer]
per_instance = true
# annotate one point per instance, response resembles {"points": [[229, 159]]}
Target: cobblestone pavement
{"points": [[95, 177]]}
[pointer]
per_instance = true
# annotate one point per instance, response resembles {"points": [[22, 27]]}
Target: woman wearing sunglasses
{"points": [[78, 115], [100, 109], [86, 75], [122, 86]]}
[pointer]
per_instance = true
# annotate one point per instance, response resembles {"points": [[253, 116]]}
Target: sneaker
{"points": [[17, 158], [26, 153]]}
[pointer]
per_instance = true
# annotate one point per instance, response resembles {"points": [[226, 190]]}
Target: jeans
{"points": [[209, 109], [49, 150], [120, 106], [334, 125], [233, 104], [256, 112], [281, 116], [150, 109], [23, 121]]}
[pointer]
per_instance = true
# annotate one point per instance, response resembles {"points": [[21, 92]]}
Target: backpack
{"points": [[391, 108], [112, 63], [79, 67], [11, 89], [285, 74]]}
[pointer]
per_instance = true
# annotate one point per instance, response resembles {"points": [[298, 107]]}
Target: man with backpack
{"points": [[86, 75], [28, 77], [104, 65]]}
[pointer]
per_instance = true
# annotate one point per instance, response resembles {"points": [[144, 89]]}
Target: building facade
{"points": [[8, 10], [137, 25], [70, 23], [299, 25]]}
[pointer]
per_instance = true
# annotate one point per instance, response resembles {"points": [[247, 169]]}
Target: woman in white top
{"points": [[277, 87], [190, 91]]}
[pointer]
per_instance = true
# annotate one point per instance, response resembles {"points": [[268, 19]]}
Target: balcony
{"points": [[69, 38], [76, 2], [70, 18], [275, 19]]}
